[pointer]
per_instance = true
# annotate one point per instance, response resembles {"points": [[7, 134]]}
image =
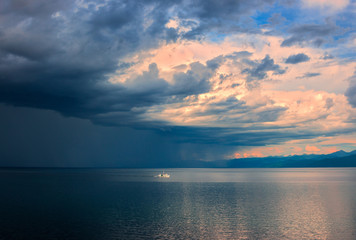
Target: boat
{"points": [[163, 175]]}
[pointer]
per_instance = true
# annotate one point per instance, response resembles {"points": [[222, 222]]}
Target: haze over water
{"points": [[192, 204]]}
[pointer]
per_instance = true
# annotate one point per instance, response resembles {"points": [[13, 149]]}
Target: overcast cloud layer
{"points": [[213, 79]]}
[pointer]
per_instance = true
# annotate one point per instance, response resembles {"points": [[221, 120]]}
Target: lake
{"points": [[299, 203]]}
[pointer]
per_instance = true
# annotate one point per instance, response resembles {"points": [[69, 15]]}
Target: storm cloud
{"points": [[57, 55]]}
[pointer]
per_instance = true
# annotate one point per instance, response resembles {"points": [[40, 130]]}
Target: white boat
{"points": [[163, 175]]}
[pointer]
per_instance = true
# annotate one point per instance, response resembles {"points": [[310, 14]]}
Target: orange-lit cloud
{"points": [[312, 149], [317, 104], [285, 149], [331, 150], [253, 154], [297, 149]]}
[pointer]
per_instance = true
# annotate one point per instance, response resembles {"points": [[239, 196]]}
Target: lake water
{"points": [[192, 204]]}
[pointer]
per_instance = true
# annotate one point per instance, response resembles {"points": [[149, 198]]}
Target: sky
{"points": [[148, 83]]}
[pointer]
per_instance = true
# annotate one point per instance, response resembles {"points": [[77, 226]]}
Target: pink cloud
{"points": [[253, 154], [274, 150], [309, 148], [331, 150], [297, 149], [330, 5]]}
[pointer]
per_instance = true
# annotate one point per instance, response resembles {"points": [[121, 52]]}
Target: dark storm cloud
{"points": [[43, 138], [59, 62], [47, 139], [316, 34], [238, 136], [297, 58], [259, 69], [57, 55], [33, 8]]}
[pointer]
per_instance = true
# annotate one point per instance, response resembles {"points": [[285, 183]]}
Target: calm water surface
{"points": [[192, 204]]}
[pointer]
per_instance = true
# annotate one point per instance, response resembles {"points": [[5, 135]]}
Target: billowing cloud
{"points": [[297, 58], [312, 149], [194, 81], [259, 69]]}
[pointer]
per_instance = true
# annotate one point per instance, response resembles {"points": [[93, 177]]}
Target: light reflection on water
{"points": [[235, 175], [192, 204]]}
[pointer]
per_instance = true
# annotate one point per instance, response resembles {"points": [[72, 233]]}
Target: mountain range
{"points": [[336, 159]]}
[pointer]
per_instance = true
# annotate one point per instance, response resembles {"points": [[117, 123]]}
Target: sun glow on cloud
{"points": [[242, 97], [279, 92], [283, 150]]}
